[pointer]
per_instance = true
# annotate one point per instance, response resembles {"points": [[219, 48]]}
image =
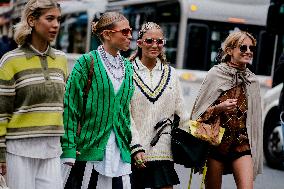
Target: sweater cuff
{"points": [[67, 160], [69, 153], [136, 149]]}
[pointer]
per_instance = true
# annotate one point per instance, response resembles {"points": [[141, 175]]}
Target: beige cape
{"points": [[222, 78]]}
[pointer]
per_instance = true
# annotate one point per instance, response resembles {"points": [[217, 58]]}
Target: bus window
{"points": [[217, 38], [95, 41], [196, 51], [167, 17], [204, 39], [265, 54], [73, 33], [280, 49], [170, 33]]}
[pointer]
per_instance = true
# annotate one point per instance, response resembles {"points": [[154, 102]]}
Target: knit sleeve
{"points": [[135, 142], [73, 105], [7, 98]]}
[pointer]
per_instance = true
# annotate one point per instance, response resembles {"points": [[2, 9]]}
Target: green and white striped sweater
{"points": [[105, 111]]}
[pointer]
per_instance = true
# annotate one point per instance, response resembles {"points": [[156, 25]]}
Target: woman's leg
{"points": [[48, 174], [243, 172], [214, 174], [81, 175], [21, 172]]}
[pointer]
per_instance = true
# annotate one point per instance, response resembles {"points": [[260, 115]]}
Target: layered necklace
{"points": [[113, 68]]}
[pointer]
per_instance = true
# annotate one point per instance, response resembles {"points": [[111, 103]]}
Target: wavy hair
{"points": [[33, 8], [145, 27], [232, 41]]}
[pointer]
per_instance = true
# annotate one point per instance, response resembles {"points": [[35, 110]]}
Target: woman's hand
{"points": [[72, 163], [227, 105], [69, 163], [139, 159]]}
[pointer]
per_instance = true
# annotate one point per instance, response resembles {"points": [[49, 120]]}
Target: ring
{"points": [[139, 161]]}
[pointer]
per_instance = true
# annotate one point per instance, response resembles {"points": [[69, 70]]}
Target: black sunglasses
{"points": [[151, 41], [244, 48]]}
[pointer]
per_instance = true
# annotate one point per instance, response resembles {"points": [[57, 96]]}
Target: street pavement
{"points": [[270, 179]]}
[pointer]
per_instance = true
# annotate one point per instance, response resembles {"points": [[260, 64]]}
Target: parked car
{"points": [[273, 141]]}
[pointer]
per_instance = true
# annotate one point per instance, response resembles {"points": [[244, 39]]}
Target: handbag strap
{"points": [[161, 125], [204, 171], [87, 87], [190, 178]]}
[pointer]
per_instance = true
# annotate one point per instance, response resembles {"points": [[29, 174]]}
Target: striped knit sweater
{"points": [[31, 94], [105, 111], [157, 96]]}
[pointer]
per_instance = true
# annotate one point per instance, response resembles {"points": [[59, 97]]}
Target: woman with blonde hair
{"points": [[101, 144], [230, 97], [32, 86], [157, 97]]}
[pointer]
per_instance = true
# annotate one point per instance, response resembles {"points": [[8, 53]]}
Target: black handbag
{"points": [[187, 150]]}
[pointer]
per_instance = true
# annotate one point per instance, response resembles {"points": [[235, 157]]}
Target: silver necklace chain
{"points": [[110, 66]]}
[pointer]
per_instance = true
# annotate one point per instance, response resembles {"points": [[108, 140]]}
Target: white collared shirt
{"points": [[150, 77]]}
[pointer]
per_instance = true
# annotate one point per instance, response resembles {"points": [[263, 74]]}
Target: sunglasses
{"points": [[244, 48], [125, 31], [151, 41]]}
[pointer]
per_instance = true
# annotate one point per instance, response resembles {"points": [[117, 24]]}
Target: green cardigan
{"points": [[105, 111]]}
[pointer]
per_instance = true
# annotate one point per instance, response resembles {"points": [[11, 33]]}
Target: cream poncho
{"points": [[222, 78]]}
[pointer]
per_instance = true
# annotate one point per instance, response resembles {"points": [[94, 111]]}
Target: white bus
{"points": [[195, 29], [75, 36]]}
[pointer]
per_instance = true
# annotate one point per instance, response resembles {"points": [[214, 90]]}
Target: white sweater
{"points": [[157, 96]]}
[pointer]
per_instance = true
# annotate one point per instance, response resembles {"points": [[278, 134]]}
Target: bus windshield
{"points": [[194, 34], [204, 38]]}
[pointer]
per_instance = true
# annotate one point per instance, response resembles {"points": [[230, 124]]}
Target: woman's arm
{"points": [[7, 98], [135, 145], [73, 106]]}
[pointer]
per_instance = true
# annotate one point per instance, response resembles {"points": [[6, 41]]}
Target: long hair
{"points": [[33, 8], [106, 22], [232, 41], [138, 53]]}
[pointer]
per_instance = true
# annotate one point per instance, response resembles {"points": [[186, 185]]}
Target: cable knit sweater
{"points": [[157, 96]]}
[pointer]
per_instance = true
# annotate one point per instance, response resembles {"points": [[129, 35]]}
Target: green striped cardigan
{"points": [[105, 111], [31, 94]]}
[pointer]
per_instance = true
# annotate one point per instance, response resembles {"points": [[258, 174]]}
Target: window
{"points": [[196, 49], [166, 14], [265, 53], [73, 33], [204, 38]]}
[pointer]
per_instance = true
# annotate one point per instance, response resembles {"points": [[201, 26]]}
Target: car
{"points": [[273, 140]]}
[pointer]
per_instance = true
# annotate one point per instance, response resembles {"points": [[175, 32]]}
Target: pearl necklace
{"points": [[111, 66]]}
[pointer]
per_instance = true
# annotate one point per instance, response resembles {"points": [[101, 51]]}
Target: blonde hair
{"points": [[32, 8], [106, 22], [232, 41], [144, 28]]}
